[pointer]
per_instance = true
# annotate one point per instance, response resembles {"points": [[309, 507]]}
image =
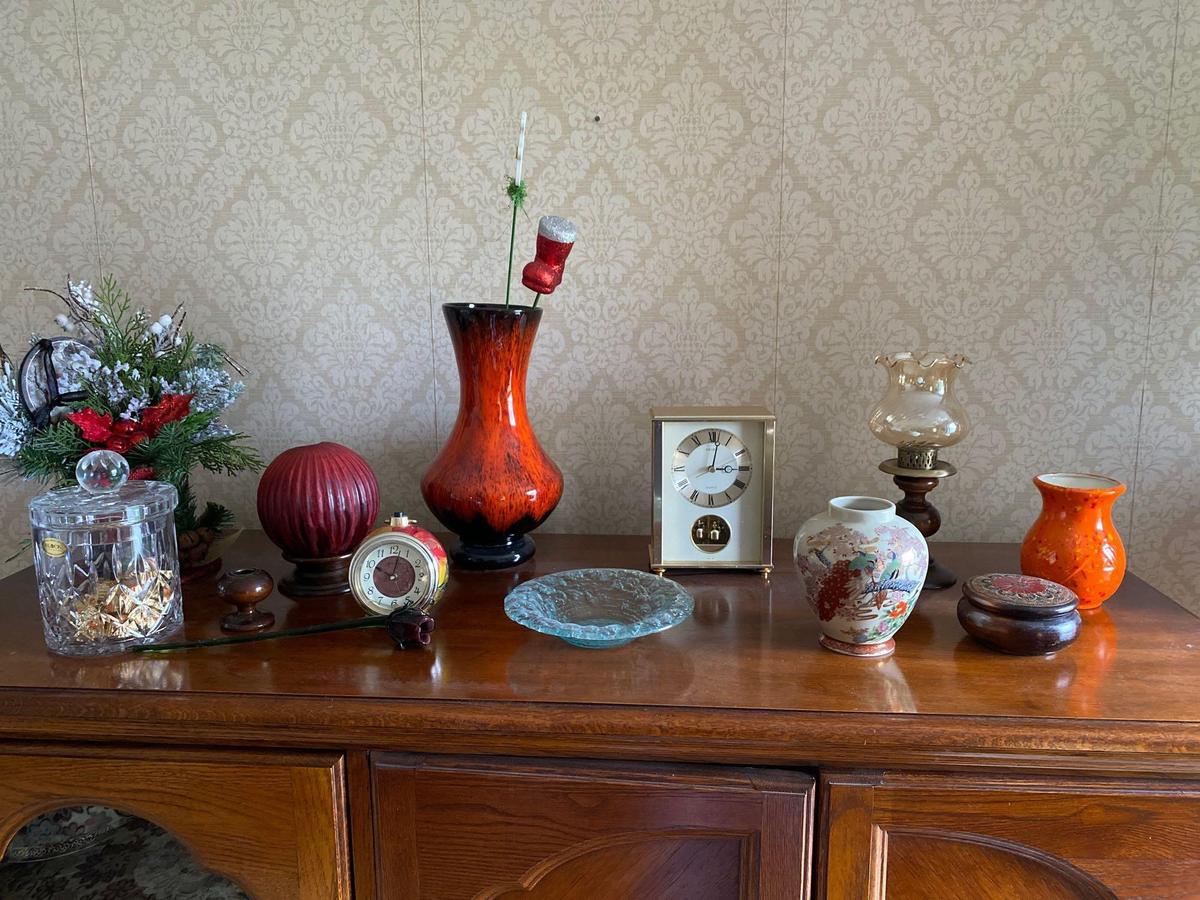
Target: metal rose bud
{"points": [[410, 628]]}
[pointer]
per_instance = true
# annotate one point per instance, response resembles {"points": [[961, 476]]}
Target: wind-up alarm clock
{"points": [[399, 566]]}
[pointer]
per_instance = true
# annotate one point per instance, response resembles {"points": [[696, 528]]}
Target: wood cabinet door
{"points": [[272, 823], [910, 836], [457, 828]]}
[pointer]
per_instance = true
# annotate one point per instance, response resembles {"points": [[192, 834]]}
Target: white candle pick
{"points": [[520, 149]]}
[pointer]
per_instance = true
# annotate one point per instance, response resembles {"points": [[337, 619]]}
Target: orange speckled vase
{"points": [[492, 483], [1074, 541]]}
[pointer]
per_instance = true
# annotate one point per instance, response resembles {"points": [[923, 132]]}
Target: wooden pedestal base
{"points": [[204, 570], [317, 577]]}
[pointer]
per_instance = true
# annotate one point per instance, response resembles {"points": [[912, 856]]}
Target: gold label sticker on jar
{"points": [[54, 547]]}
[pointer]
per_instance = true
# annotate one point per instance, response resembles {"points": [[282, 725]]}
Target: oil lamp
{"points": [[920, 416]]}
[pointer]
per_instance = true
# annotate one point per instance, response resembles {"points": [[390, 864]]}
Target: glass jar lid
{"points": [[104, 497]]}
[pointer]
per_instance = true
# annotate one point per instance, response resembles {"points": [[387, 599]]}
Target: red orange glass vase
{"points": [[1074, 541], [492, 483]]}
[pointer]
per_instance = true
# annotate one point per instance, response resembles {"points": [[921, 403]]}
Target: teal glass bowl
{"points": [[598, 608]]}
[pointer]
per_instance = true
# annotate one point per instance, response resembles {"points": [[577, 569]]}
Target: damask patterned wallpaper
{"points": [[768, 193]]}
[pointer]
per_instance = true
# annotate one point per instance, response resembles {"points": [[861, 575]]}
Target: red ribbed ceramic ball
{"points": [[318, 501]]}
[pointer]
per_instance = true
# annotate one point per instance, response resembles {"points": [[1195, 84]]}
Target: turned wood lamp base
{"points": [[916, 508]]}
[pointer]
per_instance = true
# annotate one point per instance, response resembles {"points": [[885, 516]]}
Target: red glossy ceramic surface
{"points": [[1074, 541], [318, 501], [492, 482]]}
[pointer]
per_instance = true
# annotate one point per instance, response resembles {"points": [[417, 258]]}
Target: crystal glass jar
{"points": [[919, 414], [106, 560]]}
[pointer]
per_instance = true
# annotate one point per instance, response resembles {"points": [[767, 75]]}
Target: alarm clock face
{"points": [[390, 571], [711, 467]]}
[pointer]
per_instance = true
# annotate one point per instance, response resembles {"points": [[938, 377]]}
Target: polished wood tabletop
{"points": [[748, 656]]}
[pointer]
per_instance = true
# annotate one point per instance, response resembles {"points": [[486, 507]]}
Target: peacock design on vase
{"points": [[863, 568]]}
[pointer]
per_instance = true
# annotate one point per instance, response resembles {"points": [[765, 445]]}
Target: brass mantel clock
{"points": [[713, 488]]}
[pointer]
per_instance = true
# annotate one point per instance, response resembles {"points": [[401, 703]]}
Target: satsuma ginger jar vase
{"points": [[1074, 541], [492, 482], [863, 568]]}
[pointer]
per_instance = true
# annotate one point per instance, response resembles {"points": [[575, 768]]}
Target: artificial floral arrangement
{"points": [[121, 379]]}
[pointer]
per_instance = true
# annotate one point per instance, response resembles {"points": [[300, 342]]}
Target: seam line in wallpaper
{"points": [[787, 18], [87, 138], [1154, 273], [428, 216]]}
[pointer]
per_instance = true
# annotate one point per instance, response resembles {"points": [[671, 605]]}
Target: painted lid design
{"points": [[1020, 596]]}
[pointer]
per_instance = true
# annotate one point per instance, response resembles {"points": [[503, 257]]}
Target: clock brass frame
{"points": [[714, 414]]}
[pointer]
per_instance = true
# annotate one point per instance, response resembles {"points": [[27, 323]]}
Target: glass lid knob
{"points": [[101, 471]]}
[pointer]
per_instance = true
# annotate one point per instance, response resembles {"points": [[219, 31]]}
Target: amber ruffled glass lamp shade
{"points": [[919, 414]]}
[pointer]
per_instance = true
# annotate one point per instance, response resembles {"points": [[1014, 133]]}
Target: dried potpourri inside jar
{"points": [[106, 560]]}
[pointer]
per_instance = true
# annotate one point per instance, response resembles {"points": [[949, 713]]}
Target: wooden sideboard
{"points": [[729, 757]]}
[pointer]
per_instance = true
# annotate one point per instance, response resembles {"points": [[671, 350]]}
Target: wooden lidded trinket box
{"points": [[1019, 614]]}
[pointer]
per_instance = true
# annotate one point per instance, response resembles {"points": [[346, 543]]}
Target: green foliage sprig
{"points": [[188, 518], [51, 454]]}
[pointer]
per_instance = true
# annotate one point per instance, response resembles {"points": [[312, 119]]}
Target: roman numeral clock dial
{"points": [[711, 468]]}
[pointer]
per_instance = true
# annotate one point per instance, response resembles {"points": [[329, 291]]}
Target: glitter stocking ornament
{"points": [[556, 237]]}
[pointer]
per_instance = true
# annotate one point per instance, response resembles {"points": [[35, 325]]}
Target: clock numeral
{"points": [[712, 437], [695, 494], [743, 468], [679, 469], [710, 499], [681, 485], [695, 440], [741, 452], [728, 499], [739, 484]]}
